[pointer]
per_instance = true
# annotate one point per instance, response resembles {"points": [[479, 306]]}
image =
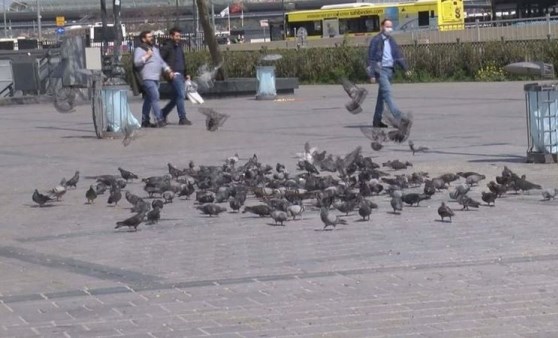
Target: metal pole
{"points": [[177, 14], [5, 24], [39, 20], [212, 15], [284, 23]]}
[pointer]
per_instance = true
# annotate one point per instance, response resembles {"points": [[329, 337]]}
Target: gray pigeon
{"points": [[414, 198], [330, 219], [72, 182], [397, 204], [168, 196], [279, 216], [115, 196], [40, 199], [549, 194], [467, 202], [489, 197], [295, 210], [57, 192], [154, 215], [445, 211], [474, 179], [127, 175], [91, 195], [213, 119], [260, 210], [364, 211], [415, 149], [132, 222], [211, 209]]}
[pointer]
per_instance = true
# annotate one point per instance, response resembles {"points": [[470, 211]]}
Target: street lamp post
{"points": [[39, 20], [5, 24]]}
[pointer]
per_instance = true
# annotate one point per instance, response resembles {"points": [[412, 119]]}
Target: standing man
{"points": [[149, 63], [173, 54], [383, 55]]}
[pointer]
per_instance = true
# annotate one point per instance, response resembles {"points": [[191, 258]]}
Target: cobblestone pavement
{"points": [[66, 272]]}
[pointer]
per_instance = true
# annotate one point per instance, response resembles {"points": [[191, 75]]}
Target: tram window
{"points": [[423, 19]]}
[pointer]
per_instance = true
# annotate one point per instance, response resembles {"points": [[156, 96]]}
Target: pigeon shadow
{"points": [[357, 126], [393, 213], [360, 220], [276, 225], [84, 137], [39, 206], [441, 221], [509, 159]]}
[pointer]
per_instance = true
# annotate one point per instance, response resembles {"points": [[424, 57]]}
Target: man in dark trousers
{"points": [[173, 54], [383, 55]]}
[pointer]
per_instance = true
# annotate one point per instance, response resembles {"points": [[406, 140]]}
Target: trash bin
{"points": [[115, 116], [266, 78], [542, 122]]}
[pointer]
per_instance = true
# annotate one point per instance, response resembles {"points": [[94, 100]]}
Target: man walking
{"points": [[173, 54], [383, 55], [149, 63]]}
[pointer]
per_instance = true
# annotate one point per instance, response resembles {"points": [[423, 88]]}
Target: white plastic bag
{"points": [[192, 92]]}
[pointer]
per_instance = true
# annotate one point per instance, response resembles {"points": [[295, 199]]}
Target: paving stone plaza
{"points": [[66, 272]]}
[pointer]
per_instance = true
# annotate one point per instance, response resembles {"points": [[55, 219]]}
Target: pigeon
{"points": [[549, 194], [100, 188], [154, 215], [397, 204], [364, 211], [131, 198], [419, 149], [474, 179], [174, 171], [449, 177], [140, 206], [397, 165], [467, 173], [403, 126], [91, 195], [460, 190], [72, 182], [115, 195], [157, 204], [211, 209], [295, 210], [186, 190], [524, 185], [132, 222], [57, 192], [309, 167], [213, 119], [376, 135], [40, 199], [260, 210], [127, 175], [168, 196], [345, 207], [496, 188], [445, 211], [414, 198], [234, 204], [356, 94], [279, 216], [489, 197], [467, 202], [329, 219], [205, 197]]}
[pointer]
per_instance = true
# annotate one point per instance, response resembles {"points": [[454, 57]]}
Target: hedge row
{"points": [[435, 62]]}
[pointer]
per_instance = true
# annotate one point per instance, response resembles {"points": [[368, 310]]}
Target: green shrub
{"points": [[481, 61]]}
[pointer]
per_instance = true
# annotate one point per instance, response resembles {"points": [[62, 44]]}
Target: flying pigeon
{"points": [[213, 119]]}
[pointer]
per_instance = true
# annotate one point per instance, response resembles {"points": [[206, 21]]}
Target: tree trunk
{"points": [[210, 39]]}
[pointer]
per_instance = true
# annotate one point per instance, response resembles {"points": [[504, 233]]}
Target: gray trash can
{"points": [[266, 79], [542, 122]]}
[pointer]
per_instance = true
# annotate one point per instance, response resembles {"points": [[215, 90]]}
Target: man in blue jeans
{"points": [[383, 55], [148, 61], [173, 54]]}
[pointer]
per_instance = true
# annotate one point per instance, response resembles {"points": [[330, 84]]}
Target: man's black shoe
{"points": [[379, 125], [146, 124], [185, 122], [161, 124]]}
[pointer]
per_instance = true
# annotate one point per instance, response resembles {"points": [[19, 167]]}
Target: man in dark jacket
{"points": [[383, 55], [173, 54]]}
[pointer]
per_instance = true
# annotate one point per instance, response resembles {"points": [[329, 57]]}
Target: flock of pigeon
{"points": [[334, 185]]}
